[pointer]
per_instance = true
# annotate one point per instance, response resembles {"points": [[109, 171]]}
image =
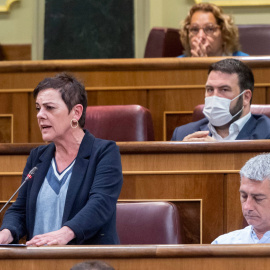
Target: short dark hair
{"points": [[72, 91], [231, 66], [92, 265]]}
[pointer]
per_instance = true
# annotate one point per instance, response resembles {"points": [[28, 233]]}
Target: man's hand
{"points": [[5, 236], [60, 237], [199, 136]]}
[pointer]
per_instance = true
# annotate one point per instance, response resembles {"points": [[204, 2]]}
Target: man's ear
{"points": [[77, 111], [247, 97]]}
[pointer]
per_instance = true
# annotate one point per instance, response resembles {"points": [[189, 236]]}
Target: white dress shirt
{"points": [[234, 129]]}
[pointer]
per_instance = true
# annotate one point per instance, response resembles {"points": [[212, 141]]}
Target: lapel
{"points": [[247, 130], [204, 127], [43, 166], [78, 173]]}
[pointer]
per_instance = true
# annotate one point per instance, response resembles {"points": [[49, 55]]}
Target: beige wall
{"points": [[169, 13], [24, 23], [17, 24]]}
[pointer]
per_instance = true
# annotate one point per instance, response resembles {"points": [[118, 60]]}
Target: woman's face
{"points": [[202, 22], [52, 115]]}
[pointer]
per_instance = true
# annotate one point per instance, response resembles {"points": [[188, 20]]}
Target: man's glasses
{"points": [[208, 29]]}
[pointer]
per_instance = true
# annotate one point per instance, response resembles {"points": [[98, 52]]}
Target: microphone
{"points": [[27, 178]]}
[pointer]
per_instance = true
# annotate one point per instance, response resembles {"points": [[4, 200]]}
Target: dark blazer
{"points": [[90, 207], [257, 127]]}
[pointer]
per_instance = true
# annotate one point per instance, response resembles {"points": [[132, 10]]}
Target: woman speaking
{"points": [[72, 197]]}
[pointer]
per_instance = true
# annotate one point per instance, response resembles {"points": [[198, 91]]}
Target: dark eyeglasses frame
{"points": [[208, 29]]}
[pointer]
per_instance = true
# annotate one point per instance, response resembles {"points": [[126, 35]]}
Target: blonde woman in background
{"points": [[207, 31]]}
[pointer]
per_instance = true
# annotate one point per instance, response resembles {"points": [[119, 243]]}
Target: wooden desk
{"points": [[192, 257], [163, 85], [172, 171]]}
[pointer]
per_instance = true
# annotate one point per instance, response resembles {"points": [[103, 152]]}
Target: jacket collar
{"points": [[204, 126], [244, 134], [247, 130], [78, 172]]}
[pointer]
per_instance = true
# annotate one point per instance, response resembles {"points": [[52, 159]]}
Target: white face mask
{"points": [[217, 110]]}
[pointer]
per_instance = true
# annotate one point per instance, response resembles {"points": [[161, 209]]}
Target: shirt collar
{"points": [[241, 121], [264, 239], [234, 129]]}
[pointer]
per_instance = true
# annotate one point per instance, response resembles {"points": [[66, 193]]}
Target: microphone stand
{"points": [[28, 177]]}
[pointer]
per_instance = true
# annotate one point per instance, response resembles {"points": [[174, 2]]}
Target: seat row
{"points": [[134, 122], [165, 42]]}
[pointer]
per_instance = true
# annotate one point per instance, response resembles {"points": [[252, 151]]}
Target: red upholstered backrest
{"points": [[163, 42], [198, 113], [255, 39], [255, 109], [120, 122], [148, 223], [261, 109]]}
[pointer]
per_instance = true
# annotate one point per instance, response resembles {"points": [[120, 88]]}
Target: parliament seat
{"points": [[148, 223], [255, 109], [165, 42], [120, 122], [255, 39]]}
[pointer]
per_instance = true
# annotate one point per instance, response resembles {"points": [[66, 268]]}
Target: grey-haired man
{"points": [[255, 199]]}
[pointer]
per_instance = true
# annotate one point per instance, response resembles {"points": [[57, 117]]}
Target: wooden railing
{"points": [[169, 87], [192, 257], [202, 179]]}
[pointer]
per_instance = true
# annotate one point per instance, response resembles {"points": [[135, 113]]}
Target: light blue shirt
{"points": [[51, 199], [244, 236], [236, 53]]}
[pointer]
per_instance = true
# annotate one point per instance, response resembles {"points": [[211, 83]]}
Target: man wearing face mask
{"points": [[228, 94]]}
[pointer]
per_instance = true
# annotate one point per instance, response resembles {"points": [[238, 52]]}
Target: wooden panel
{"points": [[203, 171], [207, 187], [259, 95], [170, 171], [8, 185], [170, 257], [191, 220], [2, 203], [16, 105], [233, 212], [174, 119], [267, 95], [190, 214], [172, 100], [12, 163], [119, 97], [15, 52], [6, 130], [167, 84], [34, 131]]}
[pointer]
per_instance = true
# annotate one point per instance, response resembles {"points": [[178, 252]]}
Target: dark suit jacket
{"points": [[90, 207], [257, 127]]}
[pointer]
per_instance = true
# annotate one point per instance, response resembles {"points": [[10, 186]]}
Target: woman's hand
{"points": [[60, 237], [5, 236], [199, 48]]}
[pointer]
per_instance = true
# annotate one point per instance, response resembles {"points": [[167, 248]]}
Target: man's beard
{"points": [[238, 107]]}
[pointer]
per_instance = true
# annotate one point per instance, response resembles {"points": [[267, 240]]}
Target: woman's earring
{"points": [[74, 123]]}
